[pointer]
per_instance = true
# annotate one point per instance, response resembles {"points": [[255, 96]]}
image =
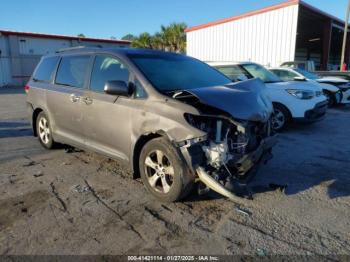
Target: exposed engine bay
{"points": [[227, 144], [232, 149]]}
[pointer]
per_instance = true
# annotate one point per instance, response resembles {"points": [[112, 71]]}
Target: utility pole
{"points": [[345, 36]]}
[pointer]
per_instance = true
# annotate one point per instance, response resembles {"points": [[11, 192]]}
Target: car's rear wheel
{"points": [[280, 117], [163, 172], [44, 131]]}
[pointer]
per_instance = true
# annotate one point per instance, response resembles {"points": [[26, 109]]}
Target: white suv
{"points": [[328, 85], [298, 101]]}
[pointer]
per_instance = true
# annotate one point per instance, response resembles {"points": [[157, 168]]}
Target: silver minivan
{"points": [[175, 120]]}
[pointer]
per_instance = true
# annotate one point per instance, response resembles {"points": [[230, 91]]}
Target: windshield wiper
{"points": [[271, 82], [65, 85]]}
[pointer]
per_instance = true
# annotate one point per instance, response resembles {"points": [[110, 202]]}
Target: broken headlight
{"points": [[202, 123]]}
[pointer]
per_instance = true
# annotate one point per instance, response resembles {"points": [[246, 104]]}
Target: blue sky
{"points": [[106, 18]]}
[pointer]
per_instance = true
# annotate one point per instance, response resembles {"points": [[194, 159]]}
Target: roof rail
{"points": [[77, 47]]}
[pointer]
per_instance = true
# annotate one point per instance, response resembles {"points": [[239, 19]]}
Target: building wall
{"points": [[267, 38], [20, 55], [5, 65]]}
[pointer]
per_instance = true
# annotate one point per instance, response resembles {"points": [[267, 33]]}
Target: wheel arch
{"points": [[286, 108], [34, 119], [140, 143]]}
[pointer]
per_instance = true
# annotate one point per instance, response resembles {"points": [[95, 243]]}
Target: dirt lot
{"points": [[58, 202]]}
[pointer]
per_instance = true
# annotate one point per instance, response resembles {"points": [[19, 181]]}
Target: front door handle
{"points": [[74, 98], [87, 100]]}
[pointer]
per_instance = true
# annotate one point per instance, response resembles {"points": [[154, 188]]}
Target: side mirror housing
{"points": [[299, 78], [118, 88]]}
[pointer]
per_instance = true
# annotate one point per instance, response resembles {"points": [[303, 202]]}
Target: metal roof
{"points": [[65, 37], [264, 10]]}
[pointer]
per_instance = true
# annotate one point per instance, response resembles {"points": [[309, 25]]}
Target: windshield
{"points": [[307, 74], [261, 72], [171, 72]]}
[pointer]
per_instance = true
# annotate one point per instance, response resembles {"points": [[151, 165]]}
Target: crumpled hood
{"points": [[330, 79], [299, 85], [245, 100], [328, 87]]}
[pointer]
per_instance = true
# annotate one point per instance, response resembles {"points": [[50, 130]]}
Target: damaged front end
{"points": [[233, 148]]}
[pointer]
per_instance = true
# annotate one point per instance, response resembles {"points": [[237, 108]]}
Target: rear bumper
{"points": [[315, 114]]}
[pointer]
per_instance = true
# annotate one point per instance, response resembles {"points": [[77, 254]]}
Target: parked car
{"points": [[306, 65], [333, 93], [173, 119], [298, 101]]}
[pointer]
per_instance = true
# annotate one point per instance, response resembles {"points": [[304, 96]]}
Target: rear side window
{"points": [[72, 71], [105, 69], [284, 74], [233, 72], [46, 69]]}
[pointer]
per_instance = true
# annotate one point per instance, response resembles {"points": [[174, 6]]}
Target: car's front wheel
{"points": [[163, 172], [280, 117], [44, 131]]}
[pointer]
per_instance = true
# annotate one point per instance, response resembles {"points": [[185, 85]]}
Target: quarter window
{"points": [[105, 69], [285, 75], [46, 69], [233, 72], [72, 71]]}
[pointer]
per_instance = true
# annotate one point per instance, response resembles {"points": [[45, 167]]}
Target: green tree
{"points": [[144, 40], [170, 38], [174, 37], [80, 35], [129, 37]]}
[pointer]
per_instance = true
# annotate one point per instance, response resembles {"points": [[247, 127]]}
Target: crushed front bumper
{"points": [[246, 166], [249, 164]]}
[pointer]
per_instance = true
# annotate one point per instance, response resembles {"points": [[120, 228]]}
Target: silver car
{"points": [[175, 120]]}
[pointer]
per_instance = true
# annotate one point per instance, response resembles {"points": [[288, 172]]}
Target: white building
{"points": [[289, 31], [20, 52]]}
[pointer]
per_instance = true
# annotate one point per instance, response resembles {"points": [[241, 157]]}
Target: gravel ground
{"points": [[62, 202]]}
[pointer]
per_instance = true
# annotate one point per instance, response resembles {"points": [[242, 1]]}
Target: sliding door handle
{"points": [[87, 100], [74, 98]]}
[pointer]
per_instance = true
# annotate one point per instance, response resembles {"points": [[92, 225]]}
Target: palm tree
{"points": [[170, 38], [144, 40], [129, 37], [174, 37], [158, 42]]}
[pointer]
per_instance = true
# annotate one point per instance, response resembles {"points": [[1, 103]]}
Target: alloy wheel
{"points": [[159, 171], [278, 119], [44, 130]]}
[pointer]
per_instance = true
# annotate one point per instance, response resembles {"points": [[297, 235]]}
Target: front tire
{"points": [[280, 117], [44, 131], [163, 172]]}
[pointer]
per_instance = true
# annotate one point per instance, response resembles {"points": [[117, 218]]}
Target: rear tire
{"points": [[280, 117], [163, 172], [44, 131]]}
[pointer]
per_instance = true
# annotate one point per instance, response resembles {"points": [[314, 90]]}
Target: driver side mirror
{"points": [[118, 88], [299, 78]]}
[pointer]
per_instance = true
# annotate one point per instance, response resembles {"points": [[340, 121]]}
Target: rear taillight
{"points": [[26, 88]]}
